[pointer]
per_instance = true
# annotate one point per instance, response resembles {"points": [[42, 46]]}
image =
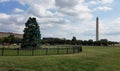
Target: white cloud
{"points": [[39, 7], [74, 9], [18, 10], [4, 16], [103, 8], [66, 10], [4, 0], [100, 2], [93, 2], [12, 23], [100, 5], [106, 1], [67, 3]]}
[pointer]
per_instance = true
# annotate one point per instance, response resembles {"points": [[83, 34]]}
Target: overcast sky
{"points": [[63, 18]]}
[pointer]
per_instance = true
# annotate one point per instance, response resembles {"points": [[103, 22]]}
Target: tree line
{"points": [[11, 39], [74, 41]]}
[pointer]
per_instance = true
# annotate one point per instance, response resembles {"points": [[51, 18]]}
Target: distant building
{"points": [[6, 34]]}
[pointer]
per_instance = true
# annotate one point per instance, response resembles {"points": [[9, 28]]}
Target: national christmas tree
{"points": [[31, 36]]}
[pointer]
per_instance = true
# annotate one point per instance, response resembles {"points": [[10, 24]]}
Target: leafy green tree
{"points": [[90, 42], [79, 42], [18, 40], [85, 42], [74, 40], [97, 43], [1, 40], [10, 39], [104, 42], [5, 40], [31, 36]]}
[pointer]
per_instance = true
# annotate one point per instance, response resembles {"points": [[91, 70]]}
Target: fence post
{"points": [[46, 51], [80, 48], [2, 51], [32, 51], [17, 51], [67, 50], [73, 49], [57, 50]]}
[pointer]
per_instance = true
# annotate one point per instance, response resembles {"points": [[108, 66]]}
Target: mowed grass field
{"points": [[91, 59]]}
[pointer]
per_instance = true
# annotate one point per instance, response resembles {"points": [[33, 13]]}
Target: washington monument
{"points": [[97, 29]]}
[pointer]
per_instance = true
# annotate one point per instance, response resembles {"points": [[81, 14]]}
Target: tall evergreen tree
{"points": [[74, 40], [31, 36]]}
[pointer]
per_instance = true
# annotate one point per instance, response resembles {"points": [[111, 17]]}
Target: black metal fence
{"points": [[39, 51]]}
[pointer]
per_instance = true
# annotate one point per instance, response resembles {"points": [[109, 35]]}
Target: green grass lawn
{"points": [[91, 59]]}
